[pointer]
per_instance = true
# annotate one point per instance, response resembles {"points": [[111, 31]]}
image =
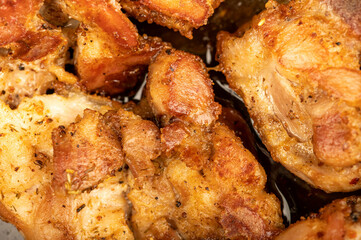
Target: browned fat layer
{"points": [[178, 19], [181, 14], [13, 17], [350, 11], [36, 45]]}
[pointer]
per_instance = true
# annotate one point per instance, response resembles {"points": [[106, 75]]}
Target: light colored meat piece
{"points": [[337, 220], [27, 153], [297, 67]]}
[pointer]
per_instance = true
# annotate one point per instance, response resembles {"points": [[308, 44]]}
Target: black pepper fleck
{"points": [[80, 208]]}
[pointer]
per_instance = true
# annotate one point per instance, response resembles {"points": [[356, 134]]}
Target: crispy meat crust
{"points": [[110, 56], [182, 16], [338, 220], [86, 151], [297, 67], [102, 14], [14, 16], [180, 87], [103, 66], [32, 57]]}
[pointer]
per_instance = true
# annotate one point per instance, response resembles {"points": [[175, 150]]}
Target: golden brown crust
{"points": [[36, 45], [103, 66], [297, 68], [182, 16], [134, 131], [104, 15], [241, 220], [179, 87], [187, 185], [14, 15], [85, 152], [337, 220]]}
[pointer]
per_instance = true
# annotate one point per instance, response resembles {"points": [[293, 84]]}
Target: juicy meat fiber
{"points": [[297, 66], [337, 221]]}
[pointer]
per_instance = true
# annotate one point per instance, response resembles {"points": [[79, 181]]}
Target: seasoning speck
{"points": [[80, 208]]}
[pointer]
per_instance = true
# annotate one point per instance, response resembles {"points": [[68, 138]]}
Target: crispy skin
{"points": [[88, 156], [26, 36], [180, 15], [337, 220], [179, 86], [207, 185], [104, 15], [134, 130], [103, 65], [110, 56], [14, 16], [297, 68]]}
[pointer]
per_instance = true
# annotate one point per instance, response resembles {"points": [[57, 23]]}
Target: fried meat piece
{"points": [[64, 175], [297, 67], [179, 87], [337, 220], [85, 152], [207, 185], [110, 55], [103, 65], [180, 15], [27, 150], [32, 52], [89, 156]]}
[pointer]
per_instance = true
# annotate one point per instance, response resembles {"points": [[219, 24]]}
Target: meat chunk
{"points": [[179, 15], [337, 220], [103, 65], [86, 152], [297, 67], [31, 52], [207, 186], [110, 56], [82, 167], [141, 143], [179, 87], [27, 154]]}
